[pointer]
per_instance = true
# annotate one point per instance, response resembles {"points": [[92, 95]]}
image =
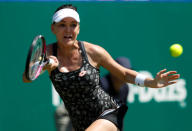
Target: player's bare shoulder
{"points": [[93, 49], [94, 52]]}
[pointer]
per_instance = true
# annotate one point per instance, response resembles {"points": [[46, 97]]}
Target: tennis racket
{"points": [[36, 58]]}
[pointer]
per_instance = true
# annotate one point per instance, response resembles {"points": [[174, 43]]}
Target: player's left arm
{"points": [[104, 59], [100, 57]]}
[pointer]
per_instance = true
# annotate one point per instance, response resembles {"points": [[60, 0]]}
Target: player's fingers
{"points": [[161, 72], [167, 74], [173, 77], [53, 59], [171, 72]]}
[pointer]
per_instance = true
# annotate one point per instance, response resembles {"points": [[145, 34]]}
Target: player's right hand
{"points": [[53, 63]]}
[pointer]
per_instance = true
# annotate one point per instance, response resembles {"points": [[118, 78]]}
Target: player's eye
{"points": [[73, 25], [62, 25]]}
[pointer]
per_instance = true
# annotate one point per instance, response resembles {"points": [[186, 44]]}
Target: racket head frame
{"points": [[43, 54]]}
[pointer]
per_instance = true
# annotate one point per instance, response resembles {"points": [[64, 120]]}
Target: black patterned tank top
{"points": [[81, 92]]}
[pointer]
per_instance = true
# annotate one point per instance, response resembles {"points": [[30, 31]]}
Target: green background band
{"points": [[143, 32]]}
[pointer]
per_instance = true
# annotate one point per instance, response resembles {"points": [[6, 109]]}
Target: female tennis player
{"points": [[75, 75]]}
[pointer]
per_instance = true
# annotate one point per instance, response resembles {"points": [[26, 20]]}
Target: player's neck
{"points": [[68, 50]]}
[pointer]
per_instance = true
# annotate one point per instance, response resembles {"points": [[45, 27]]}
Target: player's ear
{"points": [[53, 28]]}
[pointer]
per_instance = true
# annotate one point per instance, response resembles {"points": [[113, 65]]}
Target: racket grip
{"points": [[51, 61]]}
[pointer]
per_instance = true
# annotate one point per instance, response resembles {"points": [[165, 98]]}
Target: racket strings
{"points": [[36, 59]]}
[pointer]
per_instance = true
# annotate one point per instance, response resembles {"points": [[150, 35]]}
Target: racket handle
{"points": [[51, 61]]}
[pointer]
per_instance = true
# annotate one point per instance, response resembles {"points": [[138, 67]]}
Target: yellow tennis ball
{"points": [[176, 50]]}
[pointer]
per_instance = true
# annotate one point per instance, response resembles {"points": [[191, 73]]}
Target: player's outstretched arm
{"points": [[162, 79]]}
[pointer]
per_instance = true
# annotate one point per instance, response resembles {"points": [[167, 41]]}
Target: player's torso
{"points": [[82, 94]]}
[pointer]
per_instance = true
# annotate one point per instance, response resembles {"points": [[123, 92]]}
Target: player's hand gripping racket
{"points": [[36, 58]]}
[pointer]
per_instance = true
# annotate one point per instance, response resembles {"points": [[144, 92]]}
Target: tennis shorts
{"points": [[116, 116]]}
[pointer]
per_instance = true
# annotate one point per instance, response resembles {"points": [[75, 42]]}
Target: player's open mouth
{"points": [[68, 37]]}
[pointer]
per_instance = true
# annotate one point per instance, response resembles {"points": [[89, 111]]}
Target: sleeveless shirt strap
{"points": [[55, 49], [84, 54]]}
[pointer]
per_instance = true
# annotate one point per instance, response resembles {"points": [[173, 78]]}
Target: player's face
{"points": [[66, 31]]}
